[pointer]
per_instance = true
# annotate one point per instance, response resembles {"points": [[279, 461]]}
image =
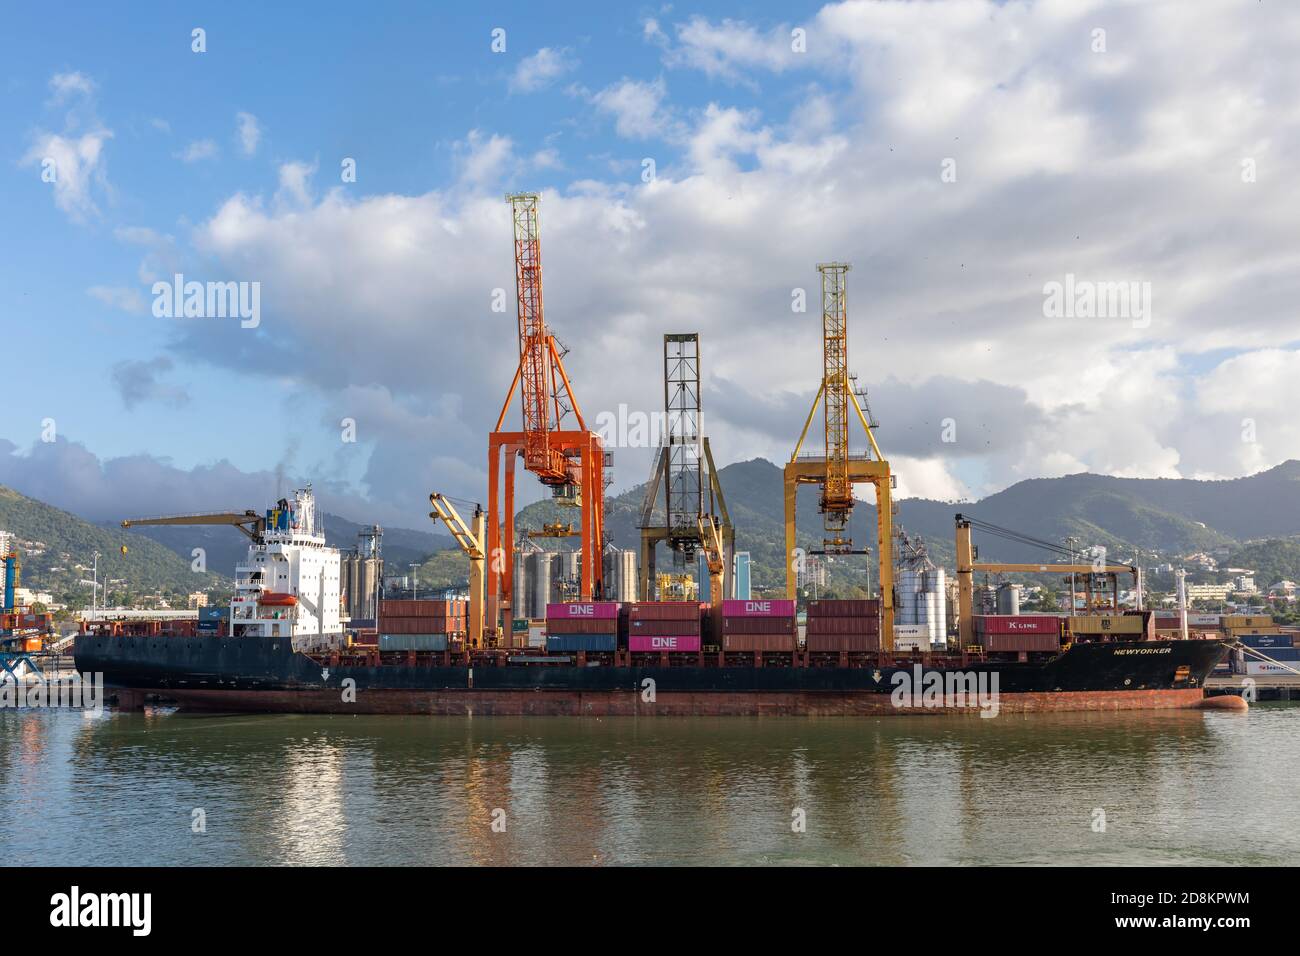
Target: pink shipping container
{"points": [[1022, 624], [590, 610], [780, 608], [648, 642]]}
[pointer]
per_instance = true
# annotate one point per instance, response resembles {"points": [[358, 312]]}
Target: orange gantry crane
{"points": [[570, 462]]}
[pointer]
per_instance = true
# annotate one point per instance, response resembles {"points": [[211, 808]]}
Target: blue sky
{"points": [[1115, 164]]}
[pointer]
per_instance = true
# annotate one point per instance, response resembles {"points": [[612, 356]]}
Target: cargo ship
{"points": [[281, 646]]}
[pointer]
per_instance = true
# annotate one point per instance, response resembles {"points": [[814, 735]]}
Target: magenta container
{"points": [[651, 642], [758, 608], [588, 611]]}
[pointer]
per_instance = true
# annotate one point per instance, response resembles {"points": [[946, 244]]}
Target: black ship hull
{"points": [[266, 675]]}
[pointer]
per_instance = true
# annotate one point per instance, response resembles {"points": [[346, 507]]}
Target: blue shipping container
{"points": [[1276, 653], [412, 642], [214, 613], [582, 642], [1266, 640]]}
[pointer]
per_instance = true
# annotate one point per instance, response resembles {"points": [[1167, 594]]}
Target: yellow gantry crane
{"points": [[967, 566], [470, 539], [838, 470]]}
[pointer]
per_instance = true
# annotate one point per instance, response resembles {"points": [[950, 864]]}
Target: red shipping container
{"points": [[758, 625], [829, 643], [843, 625], [423, 608], [844, 608], [561, 625], [590, 610], [661, 628], [646, 642], [1019, 642], [1020, 624], [752, 608], [758, 642], [664, 611]]}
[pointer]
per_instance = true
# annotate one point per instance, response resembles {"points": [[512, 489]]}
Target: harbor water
{"points": [[163, 788]]}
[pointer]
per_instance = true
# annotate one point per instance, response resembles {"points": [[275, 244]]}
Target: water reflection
{"points": [[1175, 787]]}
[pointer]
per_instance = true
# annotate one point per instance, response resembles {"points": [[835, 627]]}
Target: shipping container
{"points": [[843, 625], [1018, 642], [758, 625], [585, 626], [1233, 621], [590, 610], [1106, 624], [214, 613], [1267, 640], [664, 611], [1262, 668], [421, 625], [758, 642], [912, 643], [647, 642], [911, 630], [581, 642], [422, 608], [758, 608], [830, 643], [412, 642], [660, 628], [1020, 624], [1275, 653], [843, 608]]}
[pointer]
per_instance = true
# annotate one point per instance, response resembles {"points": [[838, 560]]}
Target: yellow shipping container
{"points": [[1233, 621], [1095, 624]]}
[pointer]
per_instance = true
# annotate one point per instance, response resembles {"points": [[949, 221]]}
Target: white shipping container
{"points": [[1258, 668], [921, 643], [911, 630], [537, 635], [1203, 620]]}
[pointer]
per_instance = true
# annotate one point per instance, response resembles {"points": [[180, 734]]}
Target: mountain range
{"points": [[1250, 521]]}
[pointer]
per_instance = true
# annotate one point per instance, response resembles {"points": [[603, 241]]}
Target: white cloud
{"points": [[295, 183], [68, 85], [197, 151], [78, 168], [248, 131], [542, 68], [1061, 168], [637, 108]]}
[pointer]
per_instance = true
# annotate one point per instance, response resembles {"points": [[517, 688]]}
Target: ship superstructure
{"points": [[289, 584]]}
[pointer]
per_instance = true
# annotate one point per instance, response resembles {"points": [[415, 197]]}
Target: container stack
{"points": [[582, 626], [213, 620], [757, 625], [1140, 626], [663, 626], [412, 625], [843, 625], [1019, 632]]}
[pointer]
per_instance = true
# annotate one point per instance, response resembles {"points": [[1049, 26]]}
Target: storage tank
{"points": [[620, 575], [520, 605], [743, 584], [540, 590], [1009, 599]]}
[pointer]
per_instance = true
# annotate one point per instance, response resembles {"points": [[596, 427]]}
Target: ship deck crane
{"points": [[571, 462], [967, 566], [470, 540], [838, 470], [249, 522], [684, 468]]}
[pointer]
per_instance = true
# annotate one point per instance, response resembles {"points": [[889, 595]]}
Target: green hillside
{"points": [[57, 550], [1134, 519]]}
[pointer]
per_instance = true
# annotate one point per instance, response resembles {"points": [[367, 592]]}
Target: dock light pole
{"points": [[415, 580], [94, 588]]}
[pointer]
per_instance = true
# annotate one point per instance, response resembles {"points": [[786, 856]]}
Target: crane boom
{"points": [[470, 541], [249, 522]]}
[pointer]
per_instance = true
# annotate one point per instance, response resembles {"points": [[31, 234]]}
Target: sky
{"points": [[970, 160]]}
